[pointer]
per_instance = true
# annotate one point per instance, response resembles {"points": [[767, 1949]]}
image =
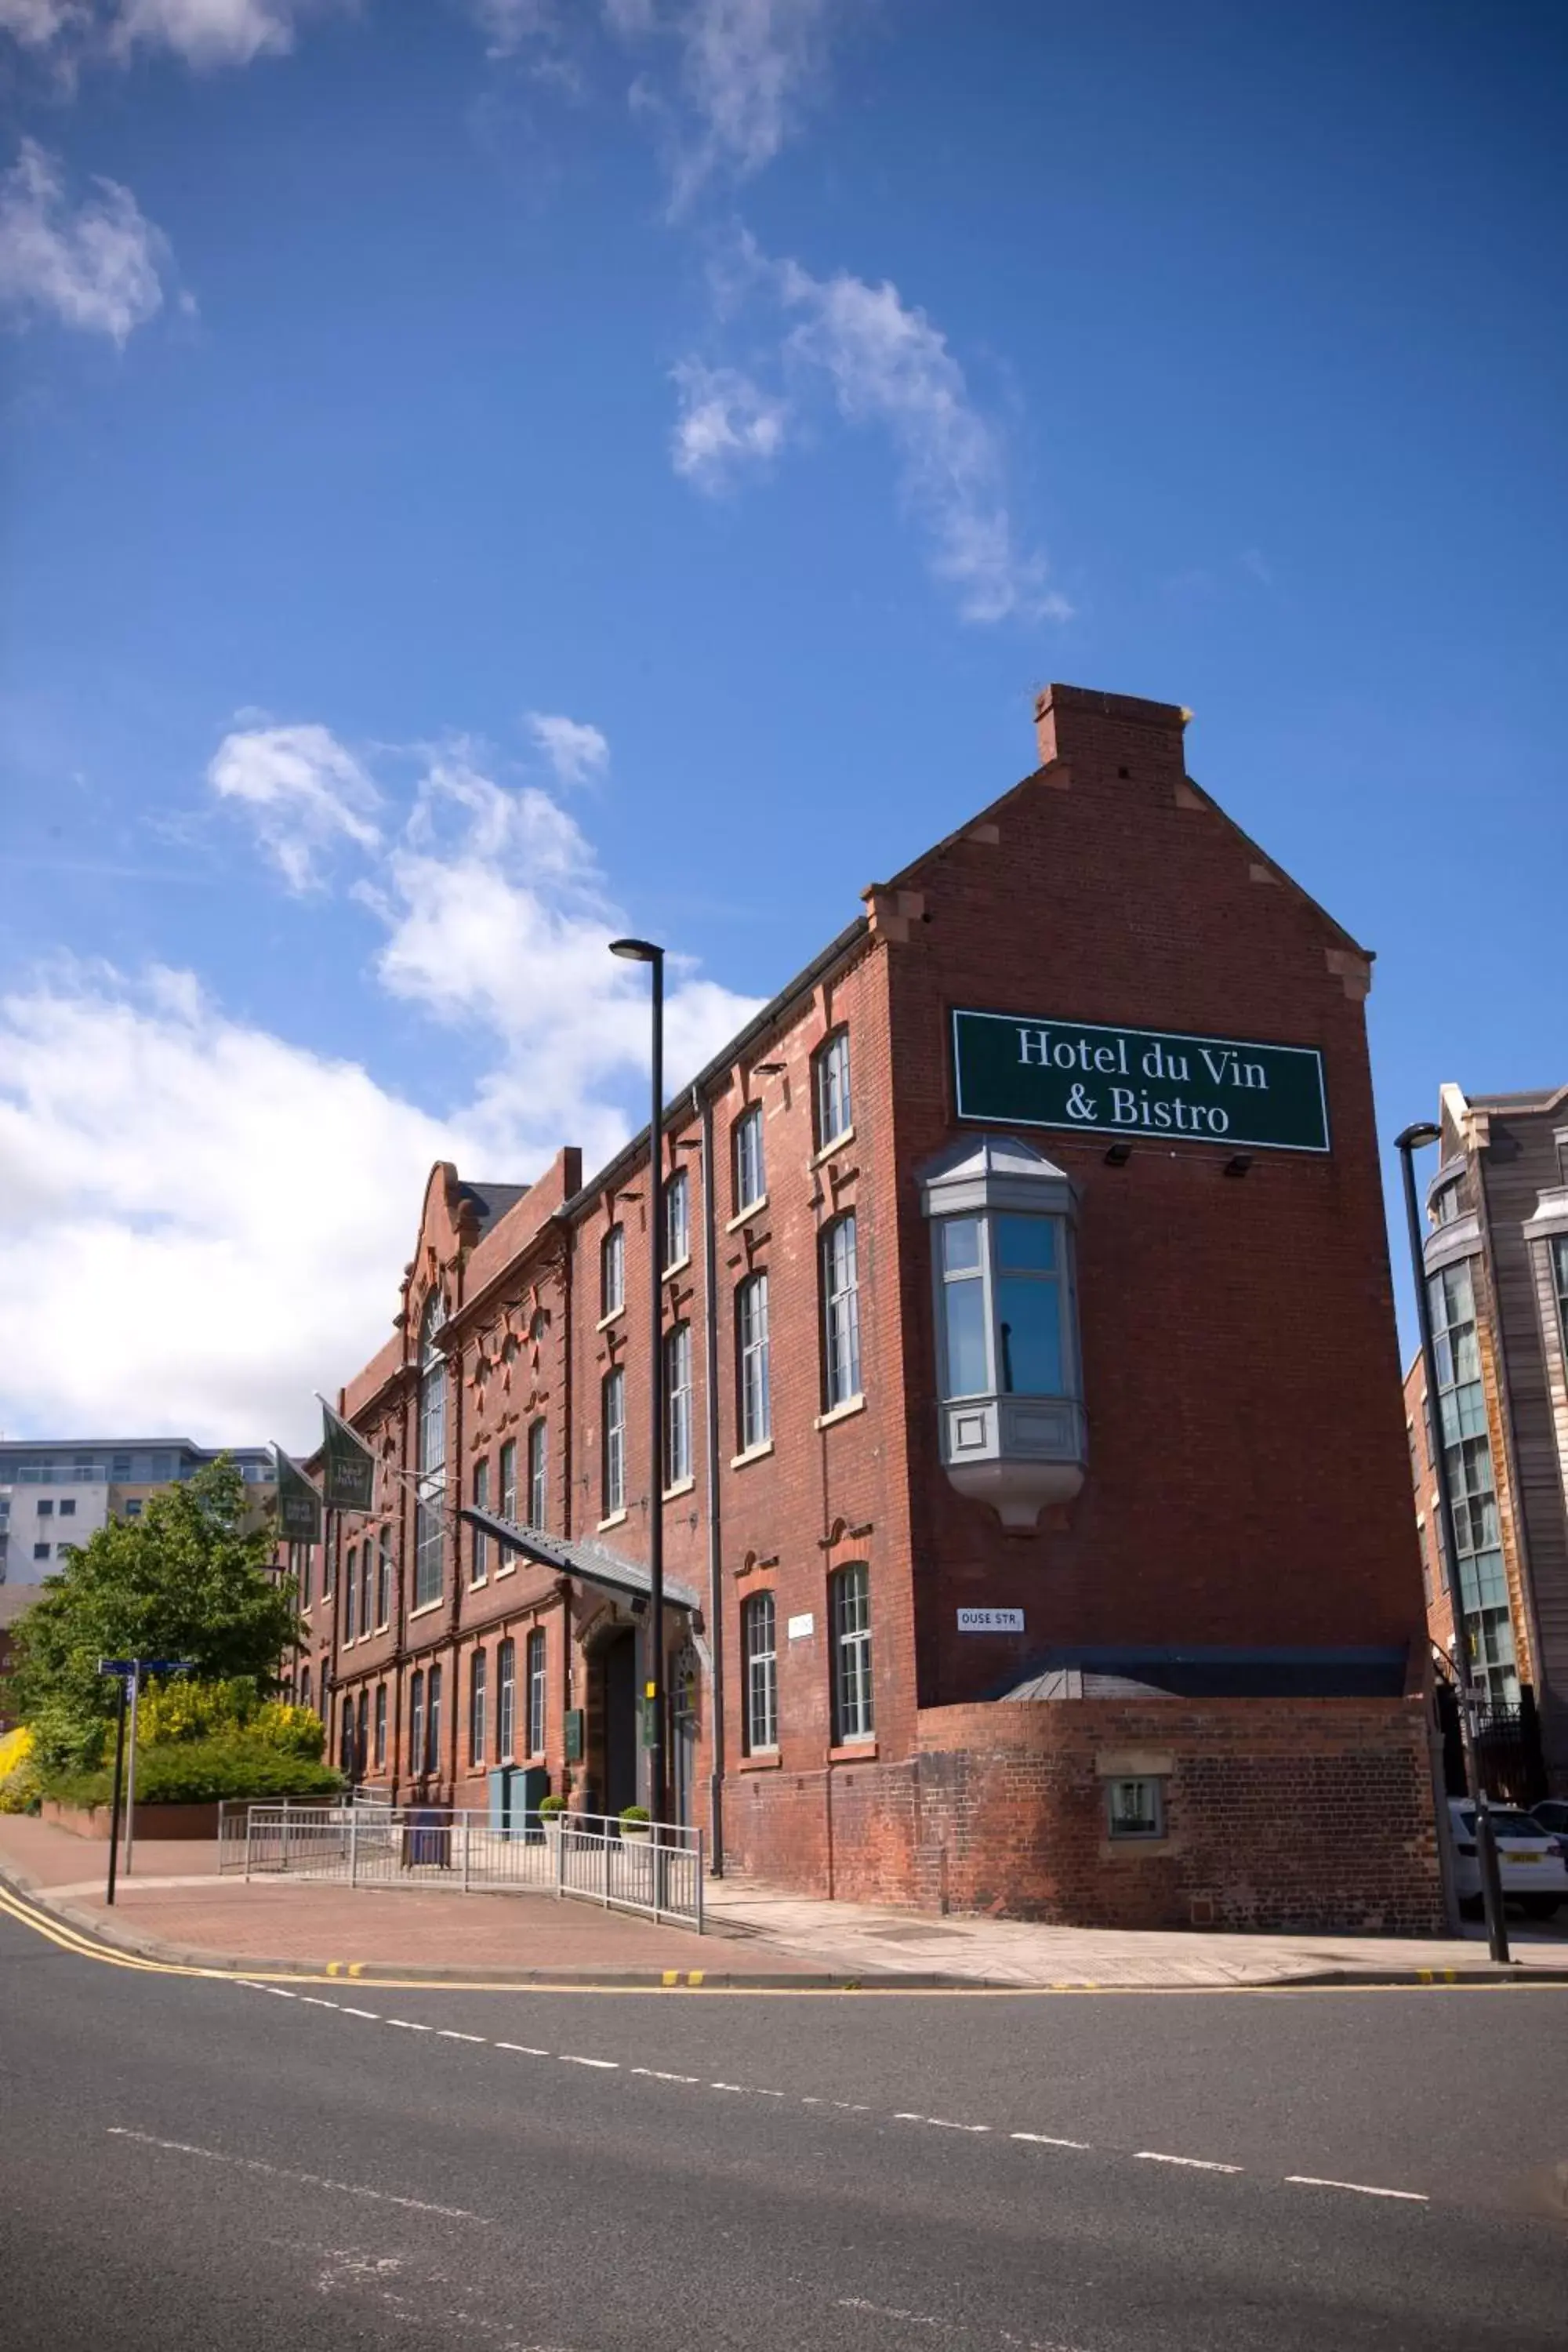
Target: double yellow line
{"points": [[85, 1946]]}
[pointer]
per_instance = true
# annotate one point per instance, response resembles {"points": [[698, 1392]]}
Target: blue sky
{"points": [[478, 475]]}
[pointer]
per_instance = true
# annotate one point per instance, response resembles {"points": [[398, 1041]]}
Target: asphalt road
{"points": [[190, 2166]]}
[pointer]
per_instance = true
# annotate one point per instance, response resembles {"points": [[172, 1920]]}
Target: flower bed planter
{"points": [[183, 1822]]}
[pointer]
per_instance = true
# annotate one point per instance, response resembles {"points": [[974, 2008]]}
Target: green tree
{"points": [[188, 1580]]}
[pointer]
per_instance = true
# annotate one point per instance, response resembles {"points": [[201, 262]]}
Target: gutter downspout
{"points": [[704, 1107]]}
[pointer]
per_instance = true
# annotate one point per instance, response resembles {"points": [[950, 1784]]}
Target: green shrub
{"points": [[67, 1738], [182, 1711], [196, 1771], [550, 1806], [19, 1775], [635, 1813]]}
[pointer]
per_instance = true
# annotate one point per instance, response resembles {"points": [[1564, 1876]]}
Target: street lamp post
{"points": [[1411, 1140], [645, 951]]}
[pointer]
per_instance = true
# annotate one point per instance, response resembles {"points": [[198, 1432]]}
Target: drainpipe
{"points": [[715, 1548]]}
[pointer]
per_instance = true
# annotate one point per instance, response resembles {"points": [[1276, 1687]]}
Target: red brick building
{"points": [[1035, 1498]]}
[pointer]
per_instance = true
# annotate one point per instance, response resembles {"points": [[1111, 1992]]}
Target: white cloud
{"points": [[508, 25], [204, 1224], [96, 266], [727, 425], [886, 363], [499, 921], [746, 65], [303, 791], [67, 34], [578, 752], [36, 24], [889, 365], [208, 32]]}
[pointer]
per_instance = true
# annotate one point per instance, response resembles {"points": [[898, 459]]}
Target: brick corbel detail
{"points": [[892, 914]]}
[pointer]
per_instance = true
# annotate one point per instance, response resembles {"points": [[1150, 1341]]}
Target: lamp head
{"points": [[1414, 1138], [636, 950]]}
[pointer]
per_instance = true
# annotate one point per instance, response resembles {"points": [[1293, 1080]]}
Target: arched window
{"points": [[304, 1685], [612, 1465], [833, 1115], [536, 1689], [384, 1582], [750, 1170], [840, 1314], [506, 1701], [849, 1613], [381, 1726], [753, 1381], [613, 1271], [678, 1404], [759, 1647], [416, 1723], [478, 1693], [479, 1555], [538, 1475], [429, 1535], [351, 1592], [433, 1722], [677, 1219], [362, 1734], [366, 1584]]}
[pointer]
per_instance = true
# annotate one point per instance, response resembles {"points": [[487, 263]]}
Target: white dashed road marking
{"points": [[1356, 2188], [744, 2090], [1193, 2163], [311, 2179], [940, 2123]]}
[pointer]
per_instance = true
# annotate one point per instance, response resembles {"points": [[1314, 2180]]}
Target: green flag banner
{"points": [[299, 1505], [348, 1467]]}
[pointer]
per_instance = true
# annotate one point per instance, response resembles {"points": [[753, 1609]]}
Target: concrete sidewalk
{"points": [[177, 1907]]}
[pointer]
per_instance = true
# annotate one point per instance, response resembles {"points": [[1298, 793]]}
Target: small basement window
{"points": [[1135, 1808]]}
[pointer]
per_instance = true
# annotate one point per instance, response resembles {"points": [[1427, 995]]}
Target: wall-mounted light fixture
{"points": [[1119, 1155], [1238, 1164]]}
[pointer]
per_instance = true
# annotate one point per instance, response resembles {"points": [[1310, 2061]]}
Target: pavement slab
{"points": [[175, 1905]]}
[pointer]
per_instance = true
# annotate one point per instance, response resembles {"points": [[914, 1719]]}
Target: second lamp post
{"points": [[645, 951]]}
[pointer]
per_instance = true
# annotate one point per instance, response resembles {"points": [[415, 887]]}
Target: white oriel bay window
{"points": [[1010, 1403]]}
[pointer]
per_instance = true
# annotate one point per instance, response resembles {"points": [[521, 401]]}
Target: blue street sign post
{"points": [[128, 1673]]}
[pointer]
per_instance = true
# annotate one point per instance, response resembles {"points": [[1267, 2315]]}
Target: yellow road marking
{"points": [[84, 1946]]}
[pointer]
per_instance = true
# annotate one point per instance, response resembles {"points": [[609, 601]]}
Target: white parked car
{"points": [[1531, 1861]]}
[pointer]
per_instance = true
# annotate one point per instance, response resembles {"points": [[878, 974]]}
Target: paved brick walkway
{"points": [[176, 1899]]}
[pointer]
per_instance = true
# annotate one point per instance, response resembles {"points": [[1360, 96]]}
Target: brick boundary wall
{"points": [[1287, 1816]]}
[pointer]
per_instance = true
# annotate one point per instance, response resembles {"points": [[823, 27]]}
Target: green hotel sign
{"points": [[1022, 1070]]}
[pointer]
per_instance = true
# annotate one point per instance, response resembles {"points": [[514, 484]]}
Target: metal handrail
{"points": [[652, 1868]]}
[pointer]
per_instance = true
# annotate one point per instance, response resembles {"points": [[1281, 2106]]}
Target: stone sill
{"points": [[753, 1453], [768, 1760], [428, 1608], [845, 1412], [748, 1215], [835, 1144], [854, 1751], [681, 1486], [613, 1316], [615, 1521]]}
